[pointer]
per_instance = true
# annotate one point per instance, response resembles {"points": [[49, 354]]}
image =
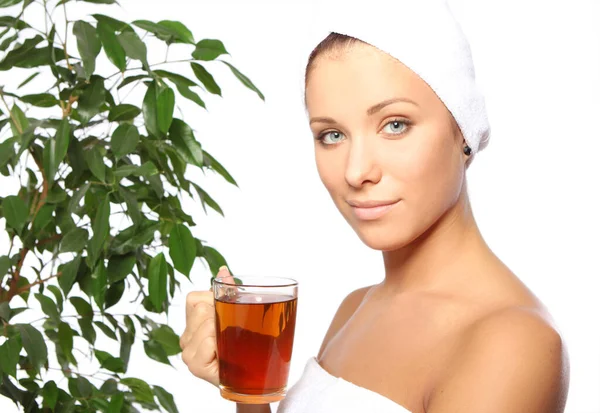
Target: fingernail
{"points": [[223, 267]]}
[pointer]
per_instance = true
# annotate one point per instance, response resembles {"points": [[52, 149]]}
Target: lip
{"points": [[371, 210]]}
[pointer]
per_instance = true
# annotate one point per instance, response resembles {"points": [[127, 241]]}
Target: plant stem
{"points": [[13, 289]]}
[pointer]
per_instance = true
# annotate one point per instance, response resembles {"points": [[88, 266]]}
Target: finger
{"points": [[205, 341], [196, 297], [225, 276], [203, 314]]}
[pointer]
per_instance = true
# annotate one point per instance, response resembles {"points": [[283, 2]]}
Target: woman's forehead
{"points": [[360, 76]]}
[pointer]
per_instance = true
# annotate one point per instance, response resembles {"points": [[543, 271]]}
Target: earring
{"points": [[467, 150]]}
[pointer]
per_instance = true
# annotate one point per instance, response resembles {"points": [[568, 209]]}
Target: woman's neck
{"points": [[438, 258]]}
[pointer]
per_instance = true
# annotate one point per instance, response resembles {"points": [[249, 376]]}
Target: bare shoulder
{"points": [[511, 360], [343, 314]]}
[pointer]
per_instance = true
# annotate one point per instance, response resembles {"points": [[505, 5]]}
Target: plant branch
{"points": [[13, 289], [65, 41]]}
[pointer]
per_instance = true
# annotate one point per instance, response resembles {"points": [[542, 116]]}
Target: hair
{"points": [[333, 42]]}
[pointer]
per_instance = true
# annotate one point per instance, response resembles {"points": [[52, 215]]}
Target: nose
{"points": [[361, 166]]}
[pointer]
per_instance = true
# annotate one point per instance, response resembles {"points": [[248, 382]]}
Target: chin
{"points": [[383, 237]]}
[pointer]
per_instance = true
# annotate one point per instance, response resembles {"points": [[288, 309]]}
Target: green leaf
{"points": [[50, 394], [209, 49], [158, 106], [95, 162], [91, 100], [9, 356], [29, 79], [114, 24], [191, 95], [34, 345], [177, 79], [134, 47], [149, 110], [65, 339], [68, 276], [185, 142], [19, 122], [244, 79], [214, 259], [50, 165], [155, 351], [20, 54], [205, 198], [120, 266], [182, 249], [101, 230], [5, 265], [165, 105], [112, 47], [124, 139], [99, 284], [123, 112], [217, 167], [42, 100], [109, 362], [167, 30], [80, 387], [8, 3], [58, 295], [167, 339], [131, 79], [74, 241], [43, 217], [135, 236], [88, 45], [76, 199], [165, 399], [141, 390], [132, 205], [48, 307], [114, 294], [147, 169], [127, 340], [106, 330], [62, 137], [87, 329], [206, 78], [15, 212], [7, 151], [157, 281], [13, 23], [101, 1], [8, 41], [109, 387], [83, 308], [116, 403]]}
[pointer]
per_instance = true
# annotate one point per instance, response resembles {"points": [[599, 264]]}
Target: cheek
{"points": [[330, 169], [428, 173]]}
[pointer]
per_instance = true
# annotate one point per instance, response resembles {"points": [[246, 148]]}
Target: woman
{"points": [[450, 328]]}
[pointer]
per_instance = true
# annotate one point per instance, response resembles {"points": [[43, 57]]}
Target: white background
{"points": [[534, 189]]}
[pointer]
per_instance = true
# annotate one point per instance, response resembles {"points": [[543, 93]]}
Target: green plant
{"points": [[81, 154]]}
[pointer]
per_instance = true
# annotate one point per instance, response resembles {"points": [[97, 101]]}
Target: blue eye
{"points": [[395, 127], [330, 138]]}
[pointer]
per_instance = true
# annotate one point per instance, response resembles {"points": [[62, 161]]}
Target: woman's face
{"points": [[387, 149]]}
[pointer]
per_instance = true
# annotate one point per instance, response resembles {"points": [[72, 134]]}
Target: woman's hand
{"points": [[198, 341]]}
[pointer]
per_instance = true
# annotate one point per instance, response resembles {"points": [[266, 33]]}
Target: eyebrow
{"points": [[371, 111]]}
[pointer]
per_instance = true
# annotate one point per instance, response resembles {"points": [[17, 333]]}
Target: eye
{"points": [[331, 138], [395, 127]]}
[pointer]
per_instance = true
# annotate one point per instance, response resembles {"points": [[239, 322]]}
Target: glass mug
{"points": [[255, 324]]}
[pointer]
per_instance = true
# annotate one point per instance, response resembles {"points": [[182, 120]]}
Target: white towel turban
{"points": [[424, 36]]}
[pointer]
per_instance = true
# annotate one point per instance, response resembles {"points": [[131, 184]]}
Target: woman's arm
{"points": [[511, 362], [253, 408]]}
